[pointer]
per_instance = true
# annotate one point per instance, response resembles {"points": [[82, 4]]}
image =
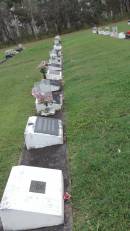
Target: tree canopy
{"points": [[23, 18]]}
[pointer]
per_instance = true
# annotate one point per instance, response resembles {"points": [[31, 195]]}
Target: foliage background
{"points": [[25, 19]]}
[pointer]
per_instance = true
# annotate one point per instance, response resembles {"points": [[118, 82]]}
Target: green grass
{"points": [[97, 102], [17, 77], [97, 113]]}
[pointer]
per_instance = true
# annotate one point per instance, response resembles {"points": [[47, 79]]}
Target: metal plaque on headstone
{"points": [[47, 126]]}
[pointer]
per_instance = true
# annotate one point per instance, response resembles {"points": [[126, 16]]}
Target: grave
{"points": [[114, 32], [54, 66], [57, 39], [100, 31], [53, 53], [32, 199], [57, 47], [48, 85], [43, 95], [54, 75], [55, 60], [46, 102], [56, 53], [51, 108], [42, 132], [121, 35], [107, 31], [10, 53], [19, 48], [94, 30]]}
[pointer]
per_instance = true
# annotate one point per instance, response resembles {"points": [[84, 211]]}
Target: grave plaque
{"points": [[47, 126], [37, 187]]}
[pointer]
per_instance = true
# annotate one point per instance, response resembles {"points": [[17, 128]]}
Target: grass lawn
{"points": [[97, 106], [17, 77], [97, 102]]}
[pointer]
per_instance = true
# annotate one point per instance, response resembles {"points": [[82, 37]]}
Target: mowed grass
{"points": [[17, 77], [97, 115], [97, 103]]}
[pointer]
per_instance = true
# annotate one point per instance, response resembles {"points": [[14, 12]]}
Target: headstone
{"points": [[107, 30], [94, 30], [52, 107], [33, 198], [42, 132], [114, 32], [55, 60], [121, 35], [100, 31], [54, 75], [55, 66], [57, 47], [57, 39]]}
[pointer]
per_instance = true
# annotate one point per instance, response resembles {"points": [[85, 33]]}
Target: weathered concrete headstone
{"points": [[54, 75], [42, 132], [33, 198]]}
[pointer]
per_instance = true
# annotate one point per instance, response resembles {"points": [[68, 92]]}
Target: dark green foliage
{"points": [[26, 18]]}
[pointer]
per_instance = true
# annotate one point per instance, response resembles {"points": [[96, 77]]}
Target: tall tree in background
{"points": [[21, 19]]}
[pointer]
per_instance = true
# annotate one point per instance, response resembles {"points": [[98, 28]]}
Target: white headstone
{"points": [[33, 198], [114, 32], [42, 132], [55, 67], [54, 75], [94, 30], [121, 35]]}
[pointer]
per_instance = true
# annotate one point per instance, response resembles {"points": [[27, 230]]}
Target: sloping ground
{"points": [[97, 104], [17, 77], [50, 157], [97, 101]]}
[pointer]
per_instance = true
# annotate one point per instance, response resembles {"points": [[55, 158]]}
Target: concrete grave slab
{"points": [[33, 198], [54, 75], [41, 132], [54, 106]]}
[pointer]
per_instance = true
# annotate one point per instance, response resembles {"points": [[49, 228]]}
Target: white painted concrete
{"points": [[54, 75], [22, 208], [40, 140], [121, 35]]}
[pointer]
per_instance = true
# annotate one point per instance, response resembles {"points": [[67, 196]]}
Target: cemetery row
{"points": [[34, 197], [111, 31]]}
